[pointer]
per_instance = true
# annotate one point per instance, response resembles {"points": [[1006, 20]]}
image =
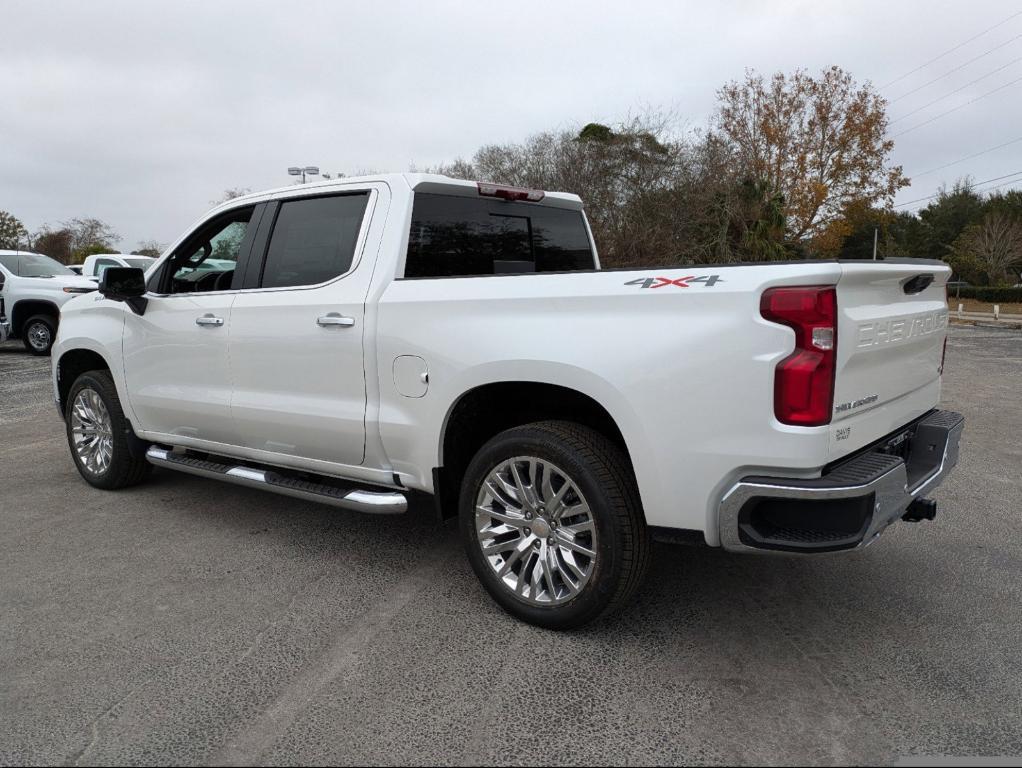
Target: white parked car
{"points": [[363, 340], [33, 288], [94, 266]]}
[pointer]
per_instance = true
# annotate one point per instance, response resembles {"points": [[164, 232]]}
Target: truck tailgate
{"points": [[892, 323]]}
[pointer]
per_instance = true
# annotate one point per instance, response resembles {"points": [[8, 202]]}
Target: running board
{"points": [[359, 499]]}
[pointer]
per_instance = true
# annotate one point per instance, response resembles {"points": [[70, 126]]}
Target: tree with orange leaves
{"points": [[820, 142]]}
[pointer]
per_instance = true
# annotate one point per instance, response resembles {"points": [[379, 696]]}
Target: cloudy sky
{"points": [[141, 113]]}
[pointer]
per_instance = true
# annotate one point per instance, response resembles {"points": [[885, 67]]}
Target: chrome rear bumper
{"points": [[849, 506]]}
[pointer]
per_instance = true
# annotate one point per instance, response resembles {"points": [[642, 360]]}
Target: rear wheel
{"points": [[552, 524], [98, 434], [39, 333]]}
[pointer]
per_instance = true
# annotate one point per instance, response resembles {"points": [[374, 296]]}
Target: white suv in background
{"points": [[33, 288]]}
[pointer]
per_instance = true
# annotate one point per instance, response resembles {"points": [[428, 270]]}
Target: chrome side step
{"points": [[359, 499]]}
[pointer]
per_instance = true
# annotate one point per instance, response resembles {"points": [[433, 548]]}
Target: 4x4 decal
{"points": [[680, 282]]}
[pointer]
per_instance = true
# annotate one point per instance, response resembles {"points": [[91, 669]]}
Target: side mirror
{"points": [[125, 284]]}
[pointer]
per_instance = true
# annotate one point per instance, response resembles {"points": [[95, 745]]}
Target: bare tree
{"points": [[90, 234], [75, 239], [152, 248], [653, 197], [230, 194], [994, 246]]}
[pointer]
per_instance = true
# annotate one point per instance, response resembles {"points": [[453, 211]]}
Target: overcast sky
{"points": [[141, 113]]}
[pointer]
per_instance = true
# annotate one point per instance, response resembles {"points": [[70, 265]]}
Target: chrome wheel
{"points": [[536, 530], [39, 336], [92, 432]]}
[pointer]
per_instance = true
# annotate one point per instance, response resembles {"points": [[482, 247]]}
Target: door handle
{"points": [[335, 319], [209, 320]]}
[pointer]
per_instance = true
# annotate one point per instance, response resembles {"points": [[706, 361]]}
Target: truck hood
{"points": [[58, 282]]}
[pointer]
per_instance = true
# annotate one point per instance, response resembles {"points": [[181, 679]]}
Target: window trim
{"points": [[261, 240]]}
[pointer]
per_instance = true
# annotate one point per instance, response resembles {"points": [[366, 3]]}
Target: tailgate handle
{"points": [[917, 284]]}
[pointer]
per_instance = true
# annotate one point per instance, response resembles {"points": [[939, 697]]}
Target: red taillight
{"points": [[510, 193], [804, 380]]}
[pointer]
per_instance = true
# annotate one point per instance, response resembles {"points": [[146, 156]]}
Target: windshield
{"points": [[140, 263], [33, 265]]}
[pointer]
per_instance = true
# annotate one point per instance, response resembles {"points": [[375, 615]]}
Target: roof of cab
{"points": [[420, 182]]}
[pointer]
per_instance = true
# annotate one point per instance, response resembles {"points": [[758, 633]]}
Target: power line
{"points": [[957, 90], [952, 50], [952, 71], [970, 157], [975, 187], [960, 106], [971, 186], [1005, 184]]}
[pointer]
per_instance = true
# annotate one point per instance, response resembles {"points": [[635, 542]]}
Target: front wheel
{"points": [[98, 433], [551, 521], [39, 334]]}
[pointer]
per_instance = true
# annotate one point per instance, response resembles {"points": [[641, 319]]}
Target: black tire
{"points": [[38, 333], [603, 475], [124, 469]]}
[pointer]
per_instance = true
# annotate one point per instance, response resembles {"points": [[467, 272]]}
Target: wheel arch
{"points": [[487, 409], [26, 308], [72, 364]]}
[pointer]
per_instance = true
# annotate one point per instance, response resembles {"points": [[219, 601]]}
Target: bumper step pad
{"points": [[850, 505]]}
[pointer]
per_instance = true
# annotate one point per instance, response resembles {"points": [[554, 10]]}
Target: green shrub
{"points": [[983, 293]]}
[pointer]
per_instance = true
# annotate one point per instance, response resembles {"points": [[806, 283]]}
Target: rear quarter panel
{"points": [[686, 372]]}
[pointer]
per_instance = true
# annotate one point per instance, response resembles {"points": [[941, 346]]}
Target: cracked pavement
{"points": [[187, 621]]}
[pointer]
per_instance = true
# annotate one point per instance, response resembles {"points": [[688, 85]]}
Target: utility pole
{"points": [[875, 234]]}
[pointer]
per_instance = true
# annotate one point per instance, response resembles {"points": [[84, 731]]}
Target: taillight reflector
{"points": [[510, 193], [804, 380]]}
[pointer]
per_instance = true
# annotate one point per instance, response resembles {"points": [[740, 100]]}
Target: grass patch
{"points": [[972, 305]]}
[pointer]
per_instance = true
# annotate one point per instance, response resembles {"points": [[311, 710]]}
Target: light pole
{"points": [[310, 170]]}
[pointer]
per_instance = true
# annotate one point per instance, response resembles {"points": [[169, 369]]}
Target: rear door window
{"points": [[454, 236], [313, 240]]}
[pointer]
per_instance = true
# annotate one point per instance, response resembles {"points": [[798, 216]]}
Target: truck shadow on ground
{"points": [[686, 587]]}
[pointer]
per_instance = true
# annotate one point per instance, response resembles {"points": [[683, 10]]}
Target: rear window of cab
{"points": [[453, 236]]}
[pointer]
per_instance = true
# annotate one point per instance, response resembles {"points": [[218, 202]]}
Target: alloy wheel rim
{"points": [[536, 530], [39, 336], [92, 432]]}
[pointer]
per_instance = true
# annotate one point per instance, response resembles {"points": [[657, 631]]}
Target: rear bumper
{"points": [[849, 505]]}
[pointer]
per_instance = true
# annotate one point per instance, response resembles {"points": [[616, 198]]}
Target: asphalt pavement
{"points": [[187, 621]]}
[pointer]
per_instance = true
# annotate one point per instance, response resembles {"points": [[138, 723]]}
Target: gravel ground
{"points": [[188, 621]]}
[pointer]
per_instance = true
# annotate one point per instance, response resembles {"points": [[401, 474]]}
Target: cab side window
{"points": [[207, 260], [313, 240], [102, 265]]}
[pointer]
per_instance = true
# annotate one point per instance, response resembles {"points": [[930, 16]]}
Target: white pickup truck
{"points": [[33, 288], [95, 265], [366, 340]]}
